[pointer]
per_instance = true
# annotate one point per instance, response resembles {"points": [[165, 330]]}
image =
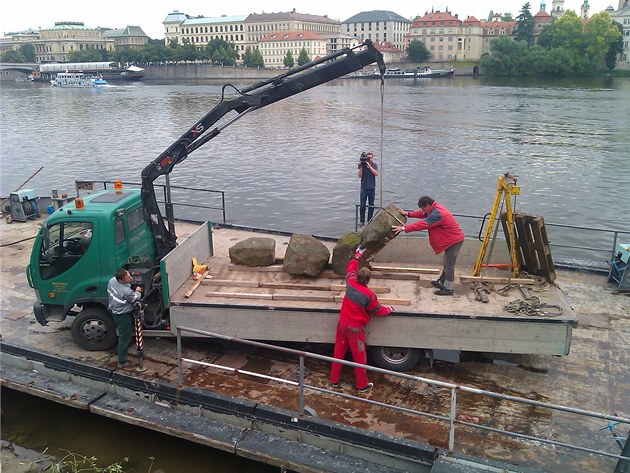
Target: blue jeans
{"points": [[366, 194]]}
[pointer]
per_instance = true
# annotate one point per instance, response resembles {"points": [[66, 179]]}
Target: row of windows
{"points": [[210, 29], [281, 52], [205, 39], [395, 25], [441, 48]]}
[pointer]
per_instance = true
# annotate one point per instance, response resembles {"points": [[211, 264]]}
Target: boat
{"points": [[398, 73], [76, 80], [109, 71]]}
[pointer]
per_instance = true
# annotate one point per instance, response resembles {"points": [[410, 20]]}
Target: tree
{"points": [[247, 56], [524, 30], [12, 56], [28, 51], [417, 51], [88, 55], [220, 51], [288, 59], [257, 59], [507, 17], [303, 58], [600, 33], [506, 58]]}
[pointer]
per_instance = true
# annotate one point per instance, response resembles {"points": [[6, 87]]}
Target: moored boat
{"points": [[109, 71], [77, 79], [397, 73]]}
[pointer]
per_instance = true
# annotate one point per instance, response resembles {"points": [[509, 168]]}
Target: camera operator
{"points": [[367, 172]]}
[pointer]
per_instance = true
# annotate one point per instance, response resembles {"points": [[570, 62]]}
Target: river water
{"points": [[292, 166]]}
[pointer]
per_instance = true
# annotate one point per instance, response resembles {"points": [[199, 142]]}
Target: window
{"points": [[135, 218], [63, 245]]}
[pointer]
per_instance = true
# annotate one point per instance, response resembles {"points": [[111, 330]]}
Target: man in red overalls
{"points": [[357, 306]]}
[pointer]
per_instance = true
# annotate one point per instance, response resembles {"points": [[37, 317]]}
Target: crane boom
{"points": [[251, 98]]}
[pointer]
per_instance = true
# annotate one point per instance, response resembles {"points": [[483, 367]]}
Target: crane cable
{"points": [[380, 175]]}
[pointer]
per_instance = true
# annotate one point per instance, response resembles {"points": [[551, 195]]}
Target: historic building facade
{"points": [[622, 16], [274, 46], [380, 26], [53, 44]]}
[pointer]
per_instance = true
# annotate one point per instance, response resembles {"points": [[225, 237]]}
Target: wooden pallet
{"points": [[532, 245]]}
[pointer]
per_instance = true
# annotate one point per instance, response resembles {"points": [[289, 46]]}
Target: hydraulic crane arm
{"points": [[251, 98]]}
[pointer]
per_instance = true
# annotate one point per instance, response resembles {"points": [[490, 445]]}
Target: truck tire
{"points": [[94, 329], [395, 358]]}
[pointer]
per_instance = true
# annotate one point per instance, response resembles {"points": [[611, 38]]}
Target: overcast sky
{"points": [[18, 15]]}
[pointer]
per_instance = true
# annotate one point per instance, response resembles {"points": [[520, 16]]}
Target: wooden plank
{"points": [[230, 282], [274, 268], [384, 300], [304, 297], [375, 289], [399, 269], [298, 286], [498, 280], [399, 276], [239, 295], [198, 281]]}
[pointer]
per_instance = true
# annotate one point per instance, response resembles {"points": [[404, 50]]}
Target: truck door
{"points": [[68, 263]]}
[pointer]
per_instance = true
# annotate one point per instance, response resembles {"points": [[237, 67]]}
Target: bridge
{"points": [[24, 67]]}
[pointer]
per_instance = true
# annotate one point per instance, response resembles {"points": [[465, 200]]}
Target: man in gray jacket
{"points": [[121, 299]]}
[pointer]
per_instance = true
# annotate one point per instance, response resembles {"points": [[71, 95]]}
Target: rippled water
{"points": [[292, 166]]}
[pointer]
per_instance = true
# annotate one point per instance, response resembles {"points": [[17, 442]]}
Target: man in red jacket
{"points": [[357, 306], [445, 235]]}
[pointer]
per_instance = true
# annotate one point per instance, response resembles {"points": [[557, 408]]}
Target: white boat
{"points": [[419, 73], [77, 79]]}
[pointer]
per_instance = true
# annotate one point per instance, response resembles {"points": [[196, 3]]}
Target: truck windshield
{"points": [[63, 245]]}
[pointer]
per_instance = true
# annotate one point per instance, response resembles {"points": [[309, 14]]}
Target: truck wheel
{"points": [[94, 329], [395, 358]]}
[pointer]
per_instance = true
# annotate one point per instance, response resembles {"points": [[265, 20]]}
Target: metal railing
{"points": [[451, 418], [609, 234], [90, 186]]}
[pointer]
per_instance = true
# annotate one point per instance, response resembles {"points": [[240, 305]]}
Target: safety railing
{"points": [[609, 235], [170, 190], [452, 418]]}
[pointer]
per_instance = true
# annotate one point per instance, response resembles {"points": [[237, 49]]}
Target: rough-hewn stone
{"points": [[256, 251], [344, 250], [305, 256], [379, 232]]}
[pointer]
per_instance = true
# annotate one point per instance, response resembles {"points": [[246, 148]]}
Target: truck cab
{"points": [[75, 254]]}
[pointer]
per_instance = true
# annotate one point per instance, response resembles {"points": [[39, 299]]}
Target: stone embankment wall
{"points": [[187, 72]]}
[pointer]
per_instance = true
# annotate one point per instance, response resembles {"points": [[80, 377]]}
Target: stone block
{"points": [[256, 251], [378, 232], [305, 255]]}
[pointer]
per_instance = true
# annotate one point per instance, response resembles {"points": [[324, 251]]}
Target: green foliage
{"points": [[88, 55], [247, 56], [303, 58], [417, 51], [75, 463], [257, 59], [12, 56], [28, 51], [507, 17], [524, 30], [567, 47], [288, 59], [220, 52]]}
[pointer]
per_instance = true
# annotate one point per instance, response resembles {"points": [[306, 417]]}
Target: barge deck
{"points": [[256, 417]]}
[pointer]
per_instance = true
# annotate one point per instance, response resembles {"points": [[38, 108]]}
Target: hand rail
{"points": [[454, 388]]}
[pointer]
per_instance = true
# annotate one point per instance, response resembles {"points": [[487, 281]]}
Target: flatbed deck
{"points": [[266, 303]]}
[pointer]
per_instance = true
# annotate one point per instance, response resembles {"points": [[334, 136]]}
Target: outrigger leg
{"points": [[138, 316]]}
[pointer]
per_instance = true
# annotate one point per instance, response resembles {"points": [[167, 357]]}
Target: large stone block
{"points": [[305, 255], [256, 251], [378, 232], [344, 250]]}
